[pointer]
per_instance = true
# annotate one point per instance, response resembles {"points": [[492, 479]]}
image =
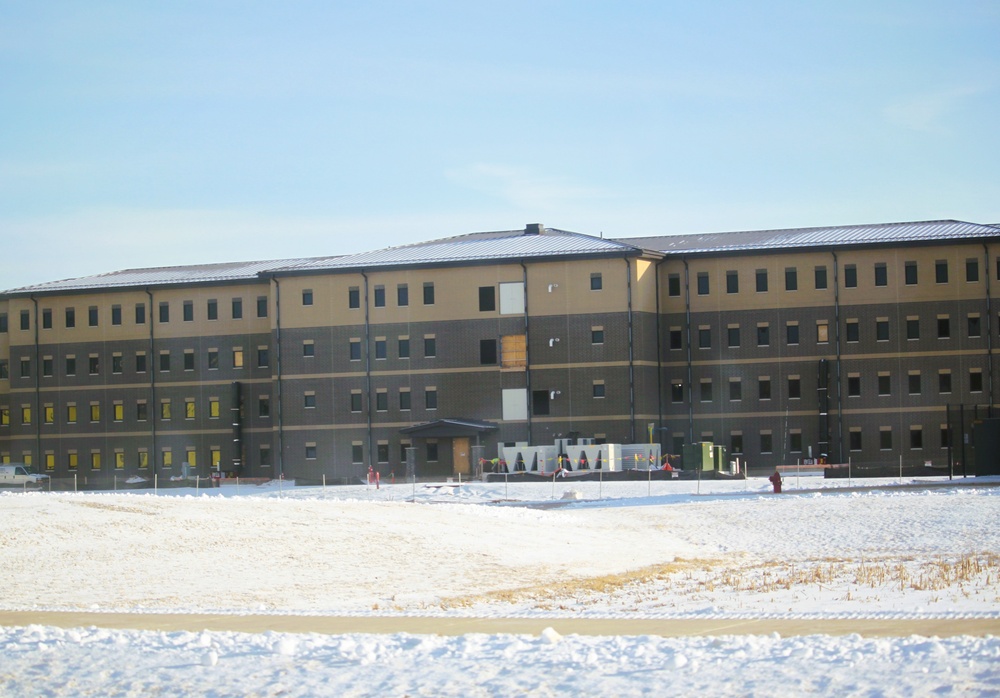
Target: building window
{"points": [[307, 296], [428, 293], [487, 352], [355, 350], [237, 357], [763, 335], [3, 321], [432, 452], [884, 383], [885, 439], [214, 408], [854, 385], [913, 383], [736, 443], [704, 338], [309, 400], [945, 432], [881, 274], [403, 347], [597, 389], [910, 273], [944, 381], [677, 392], [791, 279], [430, 346], [70, 318], [735, 389], [916, 438], [92, 316], [882, 330], [264, 406], [975, 381], [850, 276], [944, 327], [188, 311], [213, 359], [972, 270], [795, 441], [93, 365], [487, 299], [854, 439], [852, 331], [354, 297], [26, 414], [794, 388], [189, 359], [164, 311], [116, 315], [264, 456], [822, 332], [597, 335], [596, 281], [703, 283], [357, 452], [706, 389], [25, 320], [263, 357], [431, 398], [766, 445], [382, 452], [792, 333], [49, 414], [381, 401], [46, 320], [820, 278], [165, 361], [237, 308], [70, 365], [26, 368], [733, 336], [402, 295], [309, 348], [732, 281], [674, 282], [212, 311], [190, 411], [404, 399], [355, 401], [381, 352], [48, 366], [761, 276], [764, 388], [95, 412], [676, 338], [141, 411], [974, 327], [140, 313], [941, 271], [380, 296], [261, 306], [913, 328]]}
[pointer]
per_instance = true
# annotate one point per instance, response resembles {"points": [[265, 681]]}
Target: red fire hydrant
{"points": [[776, 482]]}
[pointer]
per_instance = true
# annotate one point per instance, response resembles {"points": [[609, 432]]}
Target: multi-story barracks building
{"points": [[841, 342]]}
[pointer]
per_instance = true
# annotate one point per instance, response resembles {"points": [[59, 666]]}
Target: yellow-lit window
{"points": [[71, 414], [168, 458], [119, 460], [143, 459], [4, 416], [72, 460], [213, 408], [189, 409], [237, 358], [95, 413], [191, 458], [26, 414], [50, 461], [165, 409], [216, 458], [50, 414], [119, 411], [95, 460]]}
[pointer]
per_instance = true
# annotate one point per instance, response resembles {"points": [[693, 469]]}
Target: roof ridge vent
{"points": [[534, 229]]}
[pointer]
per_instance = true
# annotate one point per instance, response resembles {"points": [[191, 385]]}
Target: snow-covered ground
{"points": [[661, 550]]}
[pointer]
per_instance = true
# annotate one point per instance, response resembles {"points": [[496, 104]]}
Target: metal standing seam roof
{"points": [[831, 236], [471, 248]]}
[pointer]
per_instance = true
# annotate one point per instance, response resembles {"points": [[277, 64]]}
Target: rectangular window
{"points": [[850, 276], [5, 369], [381, 351], [854, 385], [188, 311], [487, 299], [597, 389], [355, 349], [189, 359], [674, 282], [140, 313], [513, 351], [882, 330], [46, 320], [165, 361], [263, 357], [764, 388], [382, 452], [403, 347], [943, 327], [974, 326], [26, 368], [49, 414], [380, 296], [881, 274], [972, 270], [428, 293], [732, 282], [95, 412], [916, 438], [71, 413], [214, 408], [355, 401], [402, 295], [763, 335], [736, 442], [261, 306], [885, 438], [975, 380], [676, 338], [792, 333], [597, 335], [167, 458], [164, 311], [766, 444], [432, 452], [884, 383], [913, 383], [704, 338], [116, 363], [733, 336], [264, 455], [264, 406], [820, 278], [430, 346], [70, 317], [910, 272], [596, 281], [941, 271], [3, 321], [70, 365], [944, 381], [26, 414], [913, 328], [795, 441], [212, 312], [822, 332], [404, 399], [47, 367], [791, 279], [95, 460], [735, 389], [307, 296], [703, 283], [309, 349], [540, 402], [165, 409], [213, 359], [25, 320], [854, 439], [381, 400], [116, 315], [93, 365], [237, 357], [309, 400], [706, 389], [357, 452], [141, 411], [237, 308], [488, 352], [794, 388], [677, 392], [92, 316], [761, 277], [431, 398]]}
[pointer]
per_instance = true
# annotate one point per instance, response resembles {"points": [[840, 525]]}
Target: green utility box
{"points": [[719, 458], [698, 456]]}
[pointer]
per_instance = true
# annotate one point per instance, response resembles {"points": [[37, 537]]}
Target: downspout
{"points": [[277, 358], [368, 373], [690, 371], [659, 361], [527, 347], [631, 354], [38, 391], [840, 386], [989, 331], [151, 412]]}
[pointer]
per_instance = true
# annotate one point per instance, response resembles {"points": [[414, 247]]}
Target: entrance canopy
{"points": [[449, 428]]}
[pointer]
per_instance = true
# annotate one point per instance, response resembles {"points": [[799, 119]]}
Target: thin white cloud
{"points": [[929, 112]]}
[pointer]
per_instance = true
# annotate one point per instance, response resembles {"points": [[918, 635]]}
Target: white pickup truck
{"points": [[18, 475]]}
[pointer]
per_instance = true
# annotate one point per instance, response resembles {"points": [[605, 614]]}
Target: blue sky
{"points": [[137, 134]]}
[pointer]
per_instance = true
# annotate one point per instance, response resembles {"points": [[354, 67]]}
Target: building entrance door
{"points": [[460, 455]]}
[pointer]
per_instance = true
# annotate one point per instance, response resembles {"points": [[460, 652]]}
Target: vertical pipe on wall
{"points": [[38, 393], [527, 348], [659, 359], [687, 340], [151, 412], [840, 386], [631, 354], [368, 373], [988, 329]]}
